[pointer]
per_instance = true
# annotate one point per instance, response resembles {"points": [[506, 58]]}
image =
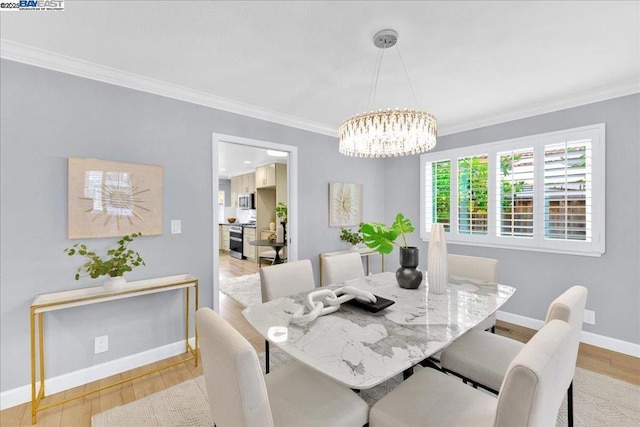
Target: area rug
{"points": [[598, 401], [245, 290]]}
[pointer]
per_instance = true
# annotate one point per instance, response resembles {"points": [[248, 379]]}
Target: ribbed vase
{"points": [[437, 269]]}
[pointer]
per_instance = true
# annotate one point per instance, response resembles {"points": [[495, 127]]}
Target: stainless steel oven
{"points": [[235, 241]]}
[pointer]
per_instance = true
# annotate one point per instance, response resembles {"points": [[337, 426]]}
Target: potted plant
{"points": [[352, 237], [382, 238], [118, 261], [282, 215]]}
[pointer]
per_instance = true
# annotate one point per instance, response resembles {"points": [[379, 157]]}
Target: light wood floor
{"points": [[78, 413]]}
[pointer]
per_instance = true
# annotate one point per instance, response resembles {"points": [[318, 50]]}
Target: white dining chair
{"points": [[530, 395], [241, 396], [282, 280], [342, 267], [483, 358], [270, 254], [478, 269]]}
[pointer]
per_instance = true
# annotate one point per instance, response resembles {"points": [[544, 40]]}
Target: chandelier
{"points": [[390, 132]]}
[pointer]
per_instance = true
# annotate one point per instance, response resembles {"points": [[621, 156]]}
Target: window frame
{"points": [[596, 247]]}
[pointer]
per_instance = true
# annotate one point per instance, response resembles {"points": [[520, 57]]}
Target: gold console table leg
{"points": [[36, 326]]}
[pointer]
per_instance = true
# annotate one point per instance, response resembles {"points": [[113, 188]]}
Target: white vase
{"points": [[437, 269], [114, 283]]}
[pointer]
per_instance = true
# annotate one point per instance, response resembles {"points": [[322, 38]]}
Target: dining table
{"points": [[361, 349], [276, 246]]}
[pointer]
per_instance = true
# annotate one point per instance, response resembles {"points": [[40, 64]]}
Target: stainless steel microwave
{"points": [[246, 201]]}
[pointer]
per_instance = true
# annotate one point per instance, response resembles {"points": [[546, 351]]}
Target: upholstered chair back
{"points": [[535, 383], [286, 279], [476, 268], [569, 307], [342, 267], [233, 377]]}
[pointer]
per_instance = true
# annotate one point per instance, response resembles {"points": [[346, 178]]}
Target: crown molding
{"points": [[65, 64], [601, 94]]}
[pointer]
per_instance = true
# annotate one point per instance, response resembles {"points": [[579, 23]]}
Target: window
{"points": [[514, 192], [221, 196], [544, 192], [473, 178], [438, 206]]}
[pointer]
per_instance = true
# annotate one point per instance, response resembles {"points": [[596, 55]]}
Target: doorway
{"points": [[220, 212]]}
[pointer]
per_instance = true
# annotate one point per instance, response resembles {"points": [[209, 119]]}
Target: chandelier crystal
{"points": [[391, 132], [388, 133]]}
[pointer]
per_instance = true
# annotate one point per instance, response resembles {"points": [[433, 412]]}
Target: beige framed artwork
{"points": [[345, 204], [108, 198]]}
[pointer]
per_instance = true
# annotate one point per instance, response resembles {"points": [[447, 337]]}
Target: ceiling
{"points": [[310, 64], [236, 159]]}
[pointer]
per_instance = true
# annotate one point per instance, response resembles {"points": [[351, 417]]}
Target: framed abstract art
{"points": [[345, 204], [108, 198]]}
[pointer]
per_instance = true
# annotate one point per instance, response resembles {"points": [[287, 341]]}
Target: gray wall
{"points": [[225, 185], [613, 280], [48, 116]]}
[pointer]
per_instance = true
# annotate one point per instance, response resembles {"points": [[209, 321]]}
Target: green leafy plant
{"points": [[281, 212], [118, 261], [382, 238], [353, 237]]}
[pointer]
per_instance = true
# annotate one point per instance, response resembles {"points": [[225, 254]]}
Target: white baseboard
{"points": [[20, 395], [601, 341]]}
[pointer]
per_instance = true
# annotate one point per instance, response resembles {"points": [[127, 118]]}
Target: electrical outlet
{"points": [[101, 344], [590, 317], [176, 226]]}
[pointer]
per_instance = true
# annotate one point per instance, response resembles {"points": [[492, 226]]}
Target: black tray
{"points": [[374, 307]]}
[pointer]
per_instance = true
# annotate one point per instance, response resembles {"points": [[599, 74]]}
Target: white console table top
{"points": [[96, 294]]}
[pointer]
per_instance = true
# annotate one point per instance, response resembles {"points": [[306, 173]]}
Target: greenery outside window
{"points": [[543, 192]]}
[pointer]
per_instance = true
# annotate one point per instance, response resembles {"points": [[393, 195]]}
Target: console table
{"points": [[85, 296]]}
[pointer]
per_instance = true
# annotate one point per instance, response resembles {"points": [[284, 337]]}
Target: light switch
{"points": [[176, 226]]}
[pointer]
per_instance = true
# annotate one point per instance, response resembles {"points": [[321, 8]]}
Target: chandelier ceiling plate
{"points": [[385, 39]]}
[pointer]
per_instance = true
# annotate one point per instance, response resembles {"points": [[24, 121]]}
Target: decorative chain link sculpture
{"points": [[326, 301]]}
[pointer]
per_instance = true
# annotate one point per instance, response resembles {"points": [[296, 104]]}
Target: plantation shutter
{"points": [[568, 190], [473, 178], [438, 194], [515, 191]]}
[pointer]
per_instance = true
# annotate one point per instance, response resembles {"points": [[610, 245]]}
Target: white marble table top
{"points": [[361, 349]]}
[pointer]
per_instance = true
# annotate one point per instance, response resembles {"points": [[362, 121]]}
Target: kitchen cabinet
{"points": [[235, 184], [242, 184], [266, 176], [247, 183], [249, 251], [224, 238], [267, 197]]}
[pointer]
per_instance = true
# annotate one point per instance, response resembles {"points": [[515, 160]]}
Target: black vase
{"points": [[408, 276]]}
